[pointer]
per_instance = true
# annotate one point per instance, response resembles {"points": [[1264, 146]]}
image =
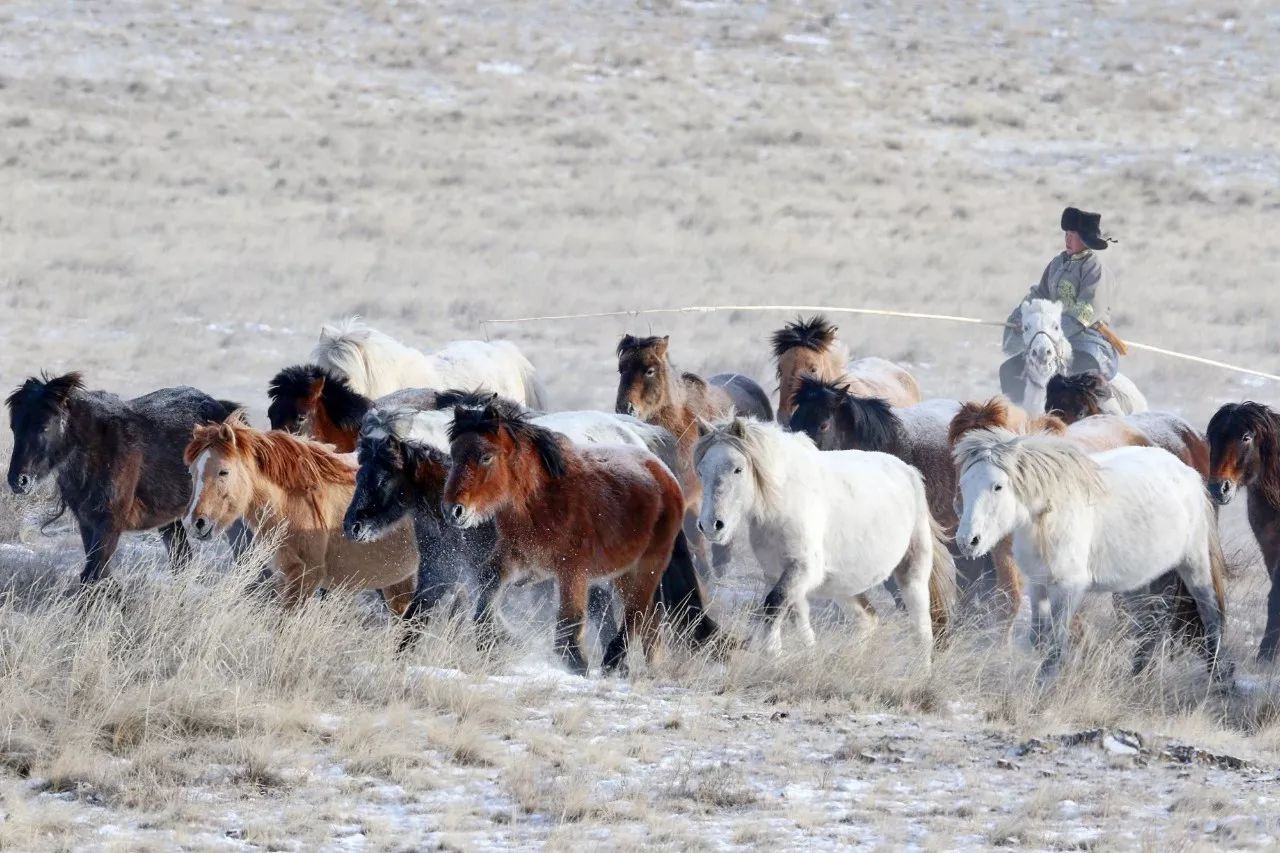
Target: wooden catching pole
{"points": [[875, 312]]}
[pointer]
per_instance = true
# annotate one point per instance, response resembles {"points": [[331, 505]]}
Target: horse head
{"points": [[221, 480], [39, 411], [804, 348], [817, 410], [737, 479], [498, 459], [1243, 442], [1047, 350], [1077, 397], [396, 475], [644, 376]]}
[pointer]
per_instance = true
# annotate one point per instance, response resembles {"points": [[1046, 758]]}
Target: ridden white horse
{"points": [[1111, 521], [832, 524], [1048, 353], [375, 364]]}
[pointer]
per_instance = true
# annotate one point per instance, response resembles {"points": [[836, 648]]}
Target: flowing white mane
{"points": [[1041, 469], [766, 446]]}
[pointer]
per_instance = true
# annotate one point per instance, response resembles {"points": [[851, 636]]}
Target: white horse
{"points": [[1048, 353], [1111, 521], [375, 364], [833, 524]]}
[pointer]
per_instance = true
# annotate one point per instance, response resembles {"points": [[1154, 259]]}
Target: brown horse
{"points": [[809, 348], [275, 481], [1244, 443], [1081, 399], [1094, 434], [310, 400], [579, 514]]}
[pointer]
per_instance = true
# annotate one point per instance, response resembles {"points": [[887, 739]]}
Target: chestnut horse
{"points": [[1244, 445], [582, 515], [117, 463], [274, 481], [809, 348], [651, 389], [1094, 435], [311, 400]]}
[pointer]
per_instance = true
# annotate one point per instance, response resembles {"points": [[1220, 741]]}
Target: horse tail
{"points": [[341, 350], [680, 596], [942, 580], [1185, 621], [535, 393]]}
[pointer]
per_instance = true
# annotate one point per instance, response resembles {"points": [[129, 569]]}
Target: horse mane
{"points": [[494, 418], [817, 334], [1040, 468], [991, 414], [756, 440], [1235, 418], [345, 408], [292, 463], [407, 425], [875, 425], [50, 393], [630, 344], [476, 398], [1079, 392]]}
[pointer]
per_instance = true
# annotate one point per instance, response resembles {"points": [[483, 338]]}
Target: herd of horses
{"points": [[443, 477]]}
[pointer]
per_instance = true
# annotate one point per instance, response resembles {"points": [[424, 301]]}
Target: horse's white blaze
{"points": [[198, 483]]}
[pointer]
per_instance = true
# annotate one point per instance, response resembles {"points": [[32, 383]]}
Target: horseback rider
{"points": [[1077, 279]]}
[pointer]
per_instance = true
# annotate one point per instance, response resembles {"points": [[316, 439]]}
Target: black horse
{"points": [[118, 463]]}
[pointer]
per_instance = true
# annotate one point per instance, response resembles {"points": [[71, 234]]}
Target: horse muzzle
{"points": [[201, 528], [714, 532], [23, 484], [972, 547], [460, 516], [1222, 491], [357, 531]]}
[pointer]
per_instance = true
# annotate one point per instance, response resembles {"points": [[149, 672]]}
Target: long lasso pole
{"points": [[876, 312]]}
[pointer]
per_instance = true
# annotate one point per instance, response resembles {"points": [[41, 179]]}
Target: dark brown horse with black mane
{"points": [[1244, 453], [582, 515], [311, 400], [118, 463]]}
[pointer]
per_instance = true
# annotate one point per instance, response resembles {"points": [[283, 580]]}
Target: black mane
{"points": [[630, 343], [49, 393], [344, 406], [503, 415], [817, 333], [865, 423], [477, 398], [1091, 383]]}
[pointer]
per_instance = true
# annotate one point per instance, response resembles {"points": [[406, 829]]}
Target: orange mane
{"points": [[292, 463]]}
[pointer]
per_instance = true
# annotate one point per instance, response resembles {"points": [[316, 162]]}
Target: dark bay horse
{"points": [[580, 514], [118, 463], [651, 389], [1244, 453], [311, 400]]}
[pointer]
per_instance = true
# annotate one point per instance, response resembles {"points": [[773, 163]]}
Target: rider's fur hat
{"points": [[1087, 225]]}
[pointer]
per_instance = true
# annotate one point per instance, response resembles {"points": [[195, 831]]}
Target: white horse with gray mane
{"points": [[832, 524], [1111, 521], [1049, 354], [375, 364]]}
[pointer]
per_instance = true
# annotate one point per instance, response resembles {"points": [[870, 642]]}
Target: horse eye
{"points": [[224, 472], [997, 487], [652, 371], [824, 426], [1246, 438], [737, 470], [487, 459]]}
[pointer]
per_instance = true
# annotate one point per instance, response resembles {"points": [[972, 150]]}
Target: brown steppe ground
{"points": [[187, 191]]}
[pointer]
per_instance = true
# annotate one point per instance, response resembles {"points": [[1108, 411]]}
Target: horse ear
{"points": [[704, 427], [738, 428], [316, 389], [661, 346], [227, 434]]}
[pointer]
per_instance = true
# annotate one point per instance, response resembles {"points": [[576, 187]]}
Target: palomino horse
{"points": [[831, 524], [650, 388], [1092, 435], [809, 348], [118, 462], [579, 514], [1112, 521], [1049, 353], [310, 400], [403, 469], [273, 481], [1244, 442], [375, 364]]}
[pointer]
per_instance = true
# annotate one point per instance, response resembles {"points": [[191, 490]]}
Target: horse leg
{"points": [[400, 595], [1008, 582], [639, 613], [913, 580], [296, 584], [176, 544], [571, 623], [1039, 616], [1271, 634], [100, 537], [1148, 612], [1197, 575], [800, 612], [1063, 601], [780, 601]]}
